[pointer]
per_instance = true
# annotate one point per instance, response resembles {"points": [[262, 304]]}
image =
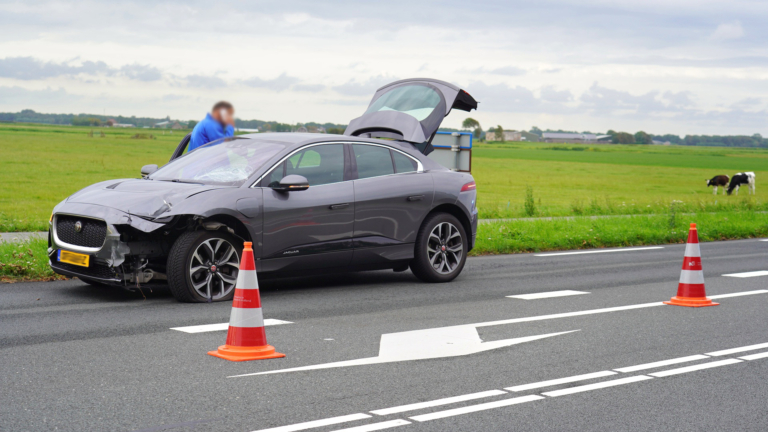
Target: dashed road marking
{"points": [[559, 381], [695, 368], [596, 386], [755, 356], [549, 294], [475, 408], [376, 426], [748, 274], [662, 363], [317, 423], [524, 399], [598, 251], [438, 402], [738, 294], [737, 350], [223, 326]]}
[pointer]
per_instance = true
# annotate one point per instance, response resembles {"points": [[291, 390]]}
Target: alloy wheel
{"points": [[213, 268], [444, 248]]}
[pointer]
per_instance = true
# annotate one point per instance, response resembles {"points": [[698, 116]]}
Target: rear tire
{"points": [[440, 249], [203, 265]]}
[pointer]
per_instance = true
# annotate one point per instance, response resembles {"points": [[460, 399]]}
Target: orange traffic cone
{"points": [[246, 339], [690, 291]]}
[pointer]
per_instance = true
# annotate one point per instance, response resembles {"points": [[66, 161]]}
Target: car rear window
{"points": [[372, 161]]}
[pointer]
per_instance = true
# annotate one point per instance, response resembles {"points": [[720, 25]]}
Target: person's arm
{"points": [[229, 131]]}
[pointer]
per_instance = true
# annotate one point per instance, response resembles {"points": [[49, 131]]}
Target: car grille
{"points": [[95, 270], [92, 233]]}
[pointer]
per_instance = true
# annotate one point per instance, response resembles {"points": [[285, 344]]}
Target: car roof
{"points": [[294, 140]]}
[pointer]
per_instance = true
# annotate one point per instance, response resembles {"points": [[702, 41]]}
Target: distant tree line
{"points": [[30, 116]]}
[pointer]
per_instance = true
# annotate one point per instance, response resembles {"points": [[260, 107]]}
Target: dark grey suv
{"points": [[369, 199]]}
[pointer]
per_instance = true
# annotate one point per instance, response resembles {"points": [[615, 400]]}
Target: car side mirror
{"points": [[146, 170], [292, 182]]}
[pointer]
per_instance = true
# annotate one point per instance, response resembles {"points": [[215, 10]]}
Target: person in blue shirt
{"points": [[219, 123]]}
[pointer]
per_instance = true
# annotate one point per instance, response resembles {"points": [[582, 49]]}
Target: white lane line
{"points": [[568, 314], [662, 363], [558, 381], [755, 356], [737, 350], [695, 368], [376, 426], [549, 294], [598, 251], [764, 240], [317, 423], [596, 386], [475, 408], [738, 294], [599, 311], [223, 326], [748, 274], [438, 402]]}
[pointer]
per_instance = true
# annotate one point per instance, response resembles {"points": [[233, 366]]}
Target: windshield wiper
{"points": [[181, 181]]}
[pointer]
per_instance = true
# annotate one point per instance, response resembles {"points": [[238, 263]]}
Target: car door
{"points": [[311, 228], [392, 197]]}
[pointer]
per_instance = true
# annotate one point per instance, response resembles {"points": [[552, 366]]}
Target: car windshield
{"points": [[225, 162], [415, 100]]}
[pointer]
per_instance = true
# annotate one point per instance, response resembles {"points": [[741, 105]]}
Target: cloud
{"points": [[282, 82], [680, 99], [519, 99], [364, 88], [19, 96], [550, 94], [141, 72], [30, 68], [312, 88], [728, 31], [747, 103], [205, 81], [505, 70]]}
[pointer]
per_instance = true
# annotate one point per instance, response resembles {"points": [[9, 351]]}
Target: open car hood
{"points": [[410, 110]]}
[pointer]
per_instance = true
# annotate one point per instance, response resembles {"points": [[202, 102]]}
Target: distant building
{"points": [[576, 138], [123, 125], [177, 125], [655, 142], [163, 124], [246, 130], [508, 136]]}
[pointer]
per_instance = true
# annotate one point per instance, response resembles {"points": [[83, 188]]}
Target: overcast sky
{"points": [[663, 66]]}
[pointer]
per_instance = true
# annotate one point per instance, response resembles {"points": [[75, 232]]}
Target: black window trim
{"points": [[419, 165], [350, 168]]}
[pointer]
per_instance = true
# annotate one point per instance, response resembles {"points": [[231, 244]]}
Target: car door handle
{"points": [[415, 197], [339, 206]]}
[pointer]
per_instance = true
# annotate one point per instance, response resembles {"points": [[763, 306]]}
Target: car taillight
{"points": [[468, 187]]}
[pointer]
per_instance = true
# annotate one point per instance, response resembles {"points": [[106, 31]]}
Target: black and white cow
{"points": [[738, 179], [718, 180]]}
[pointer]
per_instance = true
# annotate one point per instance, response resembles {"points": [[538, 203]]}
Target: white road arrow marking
{"points": [[423, 344]]}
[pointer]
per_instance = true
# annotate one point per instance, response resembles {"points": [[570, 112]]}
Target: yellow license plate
{"points": [[77, 259]]}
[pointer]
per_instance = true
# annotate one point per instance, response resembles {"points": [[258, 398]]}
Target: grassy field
{"points": [[570, 179], [41, 165]]}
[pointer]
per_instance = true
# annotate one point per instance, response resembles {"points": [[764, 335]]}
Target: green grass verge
{"points": [[40, 165], [588, 233], [25, 261]]}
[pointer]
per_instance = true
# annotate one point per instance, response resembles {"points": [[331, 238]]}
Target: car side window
{"points": [[372, 161], [403, 163], [320, 165]]}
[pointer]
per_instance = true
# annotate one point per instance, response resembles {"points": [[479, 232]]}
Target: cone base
{"points": [[691, 301], [235, 353]]}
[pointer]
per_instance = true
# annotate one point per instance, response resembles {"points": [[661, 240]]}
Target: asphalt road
{"points": [[78, 358]]}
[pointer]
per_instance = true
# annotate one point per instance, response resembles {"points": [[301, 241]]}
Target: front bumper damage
{"points": [[108, 259]]}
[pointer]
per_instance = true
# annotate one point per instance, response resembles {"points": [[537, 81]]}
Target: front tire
{"points": [[203, 266], [441, 249]]}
